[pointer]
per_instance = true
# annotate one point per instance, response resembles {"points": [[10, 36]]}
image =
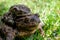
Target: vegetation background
{"points": [[49, 11]]}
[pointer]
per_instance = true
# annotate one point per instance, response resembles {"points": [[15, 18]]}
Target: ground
{"points": [[49, 11]]}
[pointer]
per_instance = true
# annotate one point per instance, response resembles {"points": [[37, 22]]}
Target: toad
{"points": [[21, 19]]}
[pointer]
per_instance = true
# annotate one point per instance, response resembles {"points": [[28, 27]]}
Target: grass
{"points": [[49, 11]]}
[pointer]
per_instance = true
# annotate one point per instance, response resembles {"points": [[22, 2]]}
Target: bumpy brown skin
{"points": [[31, 24], [7, 18], [7, 33], [30, 21], [18, 10], [24, 23]]}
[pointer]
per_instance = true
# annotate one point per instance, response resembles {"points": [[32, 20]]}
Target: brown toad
{"points": [[29, 24], [23, 20]]}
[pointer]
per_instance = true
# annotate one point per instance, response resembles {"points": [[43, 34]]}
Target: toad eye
{"points": [[26, 20], [32, 20], [15, 9]]}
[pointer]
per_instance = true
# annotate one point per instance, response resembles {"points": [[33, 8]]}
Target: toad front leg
{"points": [[40, 28]]}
